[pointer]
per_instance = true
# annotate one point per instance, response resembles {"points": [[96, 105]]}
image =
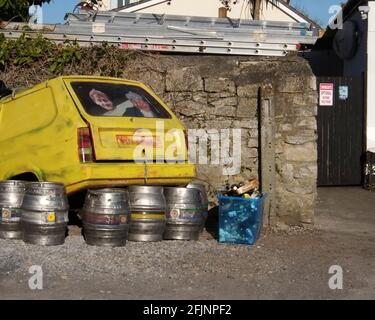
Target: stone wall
{"points": [[221, 92], [215, 92]]}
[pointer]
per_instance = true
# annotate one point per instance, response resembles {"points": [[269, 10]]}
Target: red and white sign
{"points": [[326, 94]]}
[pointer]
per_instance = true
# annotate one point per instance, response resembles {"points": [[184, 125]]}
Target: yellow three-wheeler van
{"points": [[92, 132]]}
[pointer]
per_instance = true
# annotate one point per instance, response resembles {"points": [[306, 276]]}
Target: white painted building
{"points": [[114, 4], [276, 10]]}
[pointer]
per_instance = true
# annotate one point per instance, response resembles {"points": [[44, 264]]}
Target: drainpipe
{"points": [[223, 12]]}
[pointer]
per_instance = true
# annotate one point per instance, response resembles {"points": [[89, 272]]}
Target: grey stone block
{"points": [[219, 85]]}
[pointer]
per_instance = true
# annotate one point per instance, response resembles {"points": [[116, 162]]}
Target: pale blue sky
{"points": [[319, 9]]}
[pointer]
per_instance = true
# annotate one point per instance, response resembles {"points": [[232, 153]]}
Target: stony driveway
{"points": [[282, 265]]}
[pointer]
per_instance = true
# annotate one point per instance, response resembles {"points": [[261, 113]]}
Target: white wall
{"points": [[106, 5], [210, 8], [271, 12], [112, 4], [371, 79]]}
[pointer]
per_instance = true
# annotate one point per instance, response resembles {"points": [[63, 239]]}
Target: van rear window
{"points": [[117, 100]]}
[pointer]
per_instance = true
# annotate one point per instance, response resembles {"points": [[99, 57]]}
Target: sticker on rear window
{"points": [[118, 100]]}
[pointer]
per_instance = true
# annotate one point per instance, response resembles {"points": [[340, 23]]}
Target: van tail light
{"points": [[85, 150]]}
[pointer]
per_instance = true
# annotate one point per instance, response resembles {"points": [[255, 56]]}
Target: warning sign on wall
{"points": [[326, 94]]}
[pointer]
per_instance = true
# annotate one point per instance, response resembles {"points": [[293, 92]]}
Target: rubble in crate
{"points": [[247, 189]]}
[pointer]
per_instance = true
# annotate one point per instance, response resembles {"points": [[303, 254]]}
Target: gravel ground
{"points": [[282, 265]]}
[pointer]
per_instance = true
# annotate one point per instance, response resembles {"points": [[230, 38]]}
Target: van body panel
{"points": [[38, 134], [133, 174], [121, 138]]}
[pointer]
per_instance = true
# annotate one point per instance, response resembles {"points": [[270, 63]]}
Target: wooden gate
{"points": [[340, 131]]}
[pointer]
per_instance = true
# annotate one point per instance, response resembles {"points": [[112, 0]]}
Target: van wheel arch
{"points": [[27, 176]]}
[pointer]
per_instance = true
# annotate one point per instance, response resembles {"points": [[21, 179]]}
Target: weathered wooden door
{"points": [[340, 131]]}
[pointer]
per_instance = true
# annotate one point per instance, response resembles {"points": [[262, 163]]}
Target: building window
{"points": [[121, 3]]}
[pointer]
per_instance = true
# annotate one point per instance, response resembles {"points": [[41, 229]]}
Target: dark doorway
{"points": [[341, 132]]}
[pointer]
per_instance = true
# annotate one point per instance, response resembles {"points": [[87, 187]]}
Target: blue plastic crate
{"points": [[240, 219]]}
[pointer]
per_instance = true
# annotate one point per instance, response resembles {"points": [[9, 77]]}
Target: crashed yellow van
{"points": [[92, 132]]}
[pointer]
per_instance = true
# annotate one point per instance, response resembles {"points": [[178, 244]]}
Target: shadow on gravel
{"points": [[76, 202], [212, 223]]}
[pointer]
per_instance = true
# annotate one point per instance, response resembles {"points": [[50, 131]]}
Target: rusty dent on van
{"points": [[79, 130]]}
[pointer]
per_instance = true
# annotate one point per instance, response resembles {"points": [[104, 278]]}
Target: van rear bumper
{"points": [[110, 174]]}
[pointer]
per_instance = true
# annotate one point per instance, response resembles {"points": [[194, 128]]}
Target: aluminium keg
{"points": [[44, 213], [105, 217], [11, 196], [147, 219], [204, 200], [184, 214]]}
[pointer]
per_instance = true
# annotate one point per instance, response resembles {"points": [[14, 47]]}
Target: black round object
{"points": [[345, 42]]}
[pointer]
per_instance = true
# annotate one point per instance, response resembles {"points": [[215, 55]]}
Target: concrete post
{"points": [[267, 153]]}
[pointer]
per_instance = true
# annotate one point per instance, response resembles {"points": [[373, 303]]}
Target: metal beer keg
{"points": [[11, 196], [204, 199], [184, 214], [106, 217], [44, 216], [147, 219]]}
